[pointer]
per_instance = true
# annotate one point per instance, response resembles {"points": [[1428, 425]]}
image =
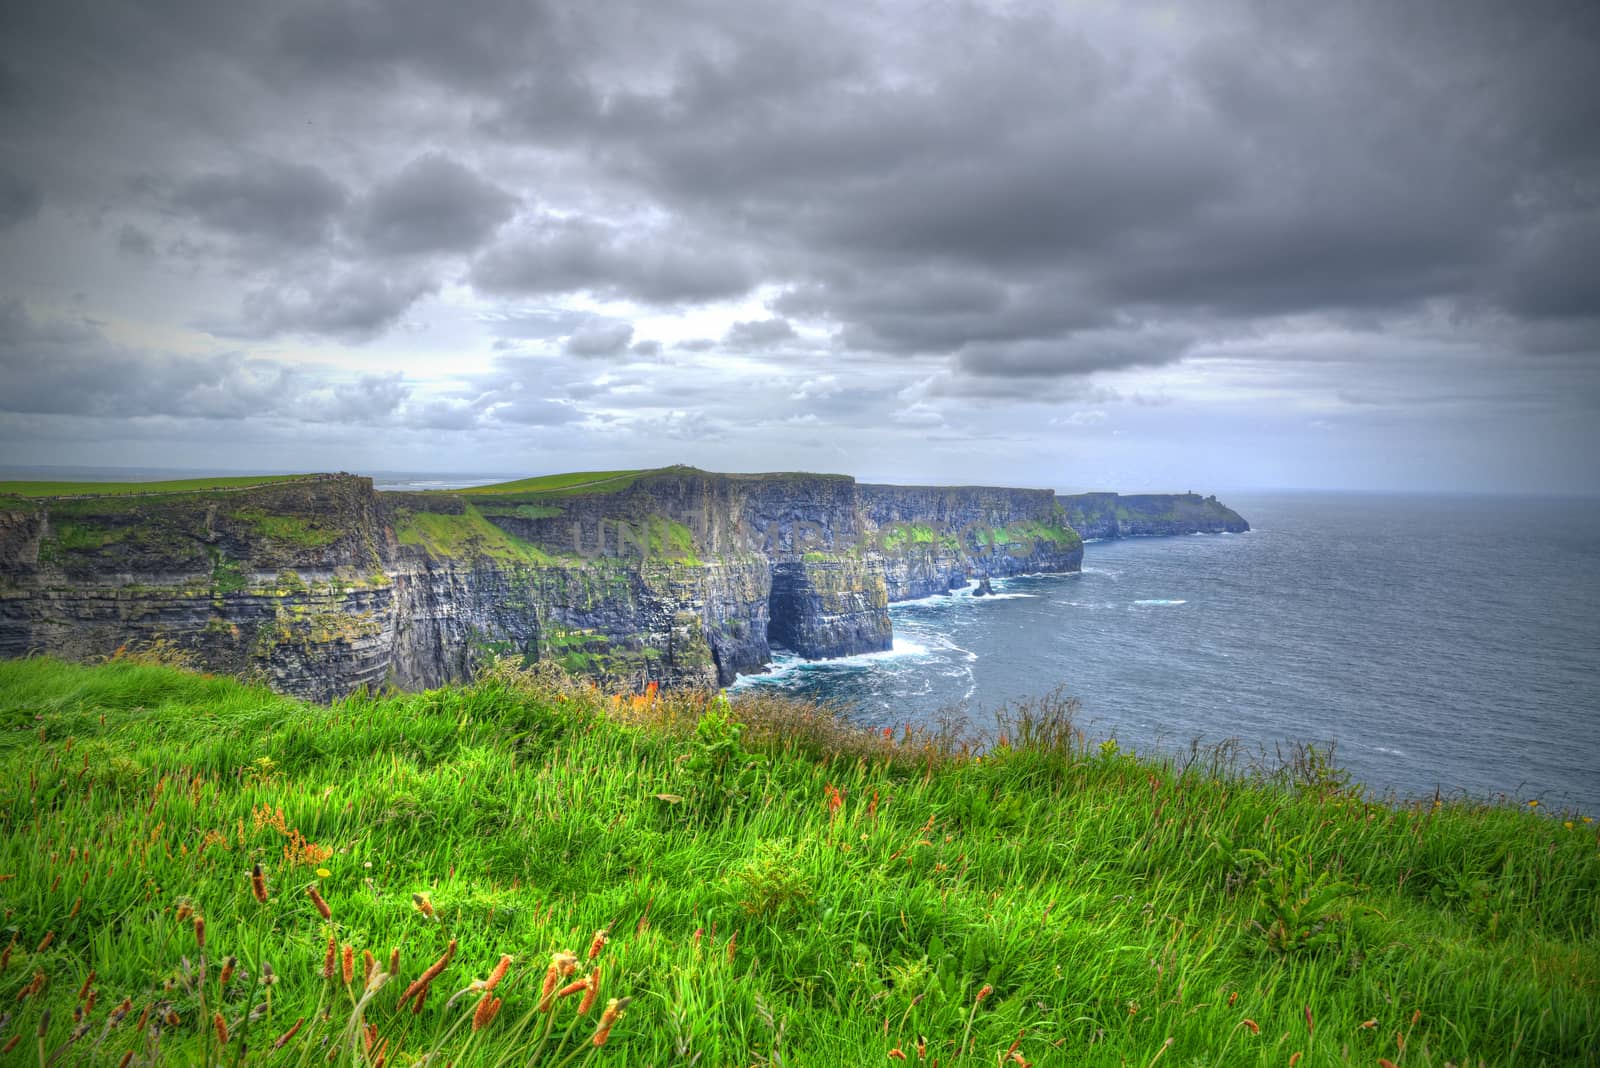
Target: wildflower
{"points": [[323, 873], [88, 981], [228, 965], [561, 966], [598, 943], [572, 988], [424, 906], [1588, 819], [44, 943], [327, 961], [419, 988], [1533, 803], [222, 1028], [394, 961], [258, 883], [587, 1001], [984, 992], [367, 963], [1255, 1028], [322, 906], [498, 974], [349, 964], [609, 1018], [284, 1038], [897, 1054], [1567, 824], [486, 1012], [200, 930], [11, 1044]]}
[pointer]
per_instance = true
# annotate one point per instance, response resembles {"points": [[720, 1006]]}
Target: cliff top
{"points": [[125, 489]]}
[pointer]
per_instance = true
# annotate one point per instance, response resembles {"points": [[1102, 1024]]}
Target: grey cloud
{"points": [[19, 199], [132, 241], [648, 348], [569, 255], [353, 306], [1077, 354], [285, 203], [600, 337], [68, 367], [434, 204], [759, 334]]}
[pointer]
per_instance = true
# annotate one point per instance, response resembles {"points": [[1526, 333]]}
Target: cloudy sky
{"points": [[1081, 244]]}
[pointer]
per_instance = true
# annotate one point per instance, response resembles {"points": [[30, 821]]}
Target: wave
{"points": [[784, 663], [1155, 601]]}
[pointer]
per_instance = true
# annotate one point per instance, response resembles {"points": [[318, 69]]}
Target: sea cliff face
{"points": [[321, 585], [1115, 515]]}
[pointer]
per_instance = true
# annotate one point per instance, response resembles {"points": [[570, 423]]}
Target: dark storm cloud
{"points": [[991, 200], [288, 203], [355, 306], [19, 199], [434, 204], [569, 255]]}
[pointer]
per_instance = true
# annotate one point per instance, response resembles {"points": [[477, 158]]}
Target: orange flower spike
{"points": [[200, 930], [258, 883], [228, 966], [322, 906], [598, 942], [587, 1001], [1255, 1028], [420, 987], [983, 993], [349, 964], [368, 962], [608, 1019], [897, 1054], [572, 988], [222, 1028], [487, 1008], [498, 974], [328, 960], [283, 1039]]}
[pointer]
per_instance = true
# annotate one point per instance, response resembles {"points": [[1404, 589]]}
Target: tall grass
{"points": [[775, 888]]}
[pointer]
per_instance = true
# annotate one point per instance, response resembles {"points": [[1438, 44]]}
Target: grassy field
{"points": [[117, 489], [599, 481], [776, 890]]}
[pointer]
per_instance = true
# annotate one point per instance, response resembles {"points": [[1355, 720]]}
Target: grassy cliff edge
{"points": [[777, 888]]}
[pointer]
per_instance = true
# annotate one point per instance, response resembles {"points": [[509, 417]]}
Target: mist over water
{"points": [[1447, 642]]}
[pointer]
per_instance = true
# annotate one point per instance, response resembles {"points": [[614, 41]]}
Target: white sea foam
{"points": [[1155, 601]]}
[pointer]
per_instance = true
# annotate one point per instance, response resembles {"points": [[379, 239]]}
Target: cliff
{"points": [[1115, 515], [320, 584]]}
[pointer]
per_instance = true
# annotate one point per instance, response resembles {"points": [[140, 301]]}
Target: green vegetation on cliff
{"points": [[464, 534], [112, 489], [777, 888]]}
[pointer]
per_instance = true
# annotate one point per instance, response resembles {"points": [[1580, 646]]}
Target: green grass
{"points": [[595, 481], [778, 888], [464, 535], [114, 489]]}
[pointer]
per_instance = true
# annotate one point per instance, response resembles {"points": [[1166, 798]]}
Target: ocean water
{"points": [[1447, 643]]}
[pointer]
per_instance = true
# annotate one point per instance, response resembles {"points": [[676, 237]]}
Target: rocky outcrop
{"points": [[1113, 515], [321, 585]]}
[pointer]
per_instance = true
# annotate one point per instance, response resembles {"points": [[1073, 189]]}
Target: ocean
{"points": [[1437, 642]]}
